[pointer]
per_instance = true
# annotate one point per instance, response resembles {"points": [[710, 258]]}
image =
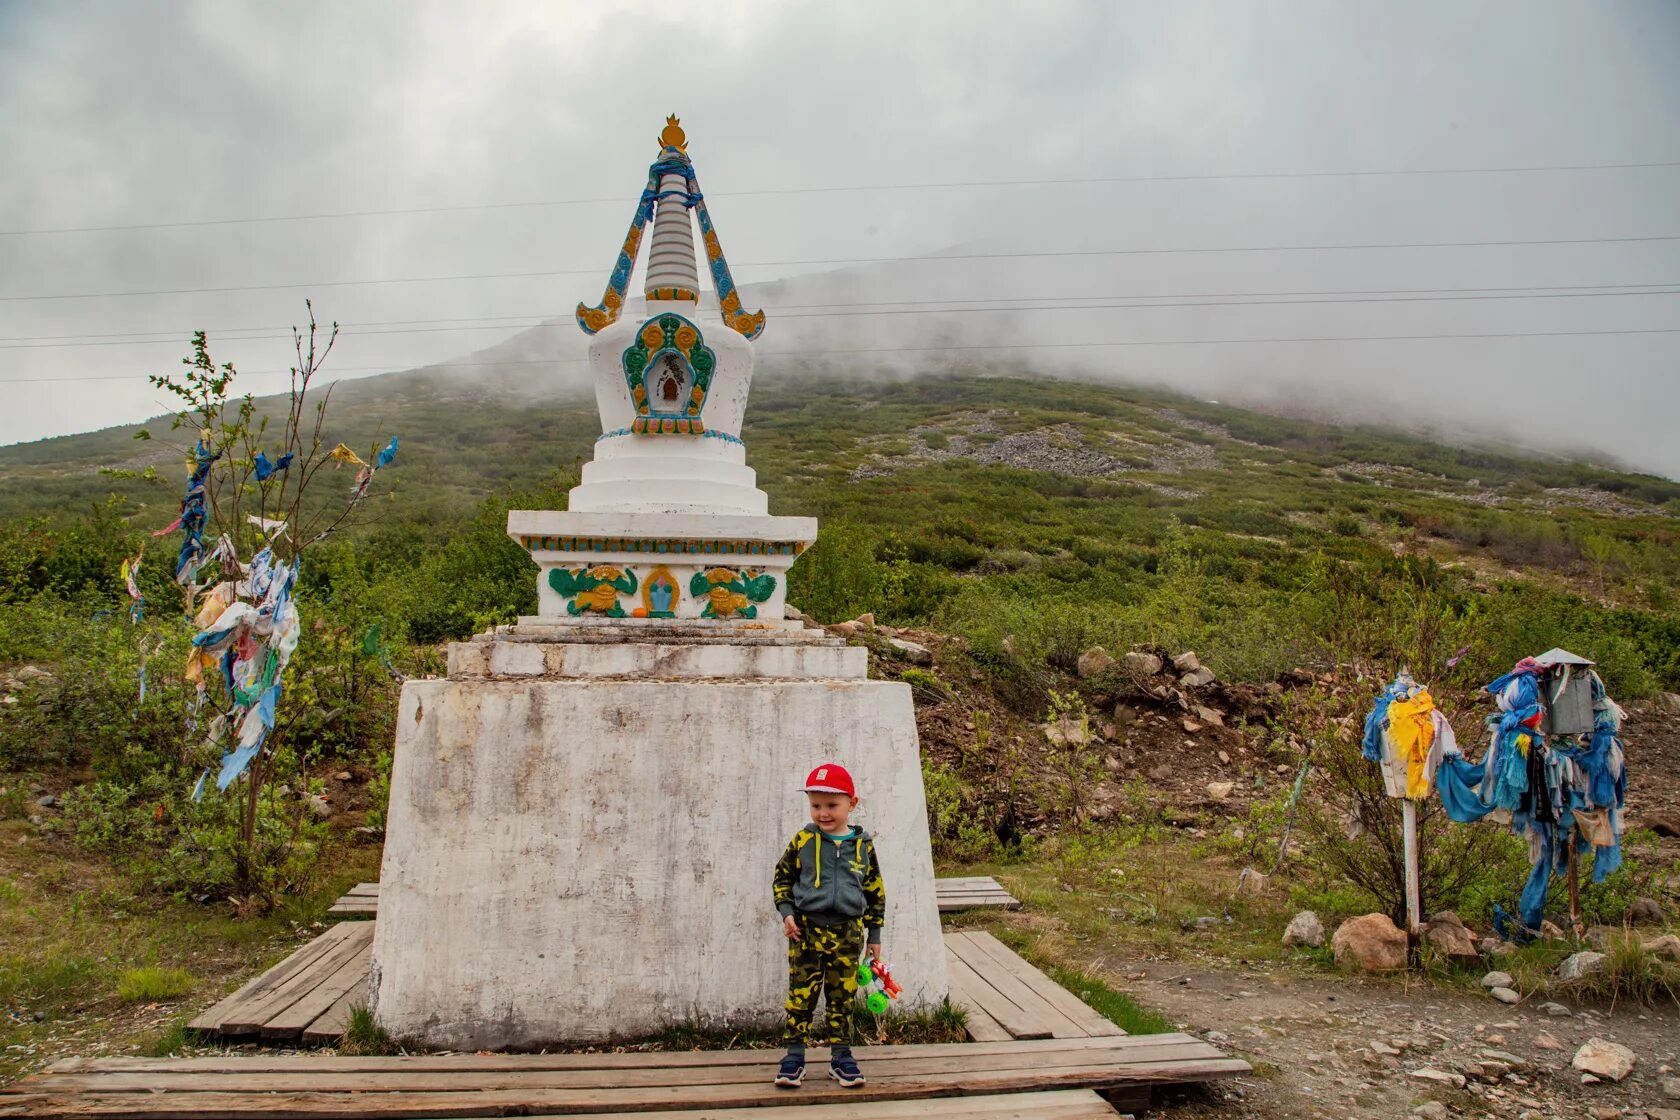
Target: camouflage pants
{"points": [[823, 960]]}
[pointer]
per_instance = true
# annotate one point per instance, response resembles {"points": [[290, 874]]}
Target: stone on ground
{"points": [[1504, 994], [1142, 664], [1431, 1110], [1498, 980], [1447, 934], [1370, 943], [1304, 929], [1556, 1010], [912, 652], [1093, 661], [1606, 1060], [1219, 791], [1644, 912], [1187, 662], [1668, 945], [1196, 678], [1440, 1077], [1578, 965]]}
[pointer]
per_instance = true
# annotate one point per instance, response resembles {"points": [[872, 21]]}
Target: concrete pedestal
{"points": [[578, 856]]}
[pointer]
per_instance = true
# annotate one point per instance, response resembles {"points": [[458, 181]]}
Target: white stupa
{"points": [[585, 814]]}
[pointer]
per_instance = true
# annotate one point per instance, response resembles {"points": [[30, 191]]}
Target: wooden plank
{"points": [[335, 1020], [212, 1018], [373, 1085], [352, 976], [952, 905], [1012, 987], [1127, 1046], [251, 1017], [979, 1025], [1004, 1011], [303, 1103], [1064, 1001], [365, 888]]}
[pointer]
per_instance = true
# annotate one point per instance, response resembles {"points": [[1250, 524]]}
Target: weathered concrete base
{"points": [[585, 859]]}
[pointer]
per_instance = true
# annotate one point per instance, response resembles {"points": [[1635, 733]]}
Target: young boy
{"points": [[829, 892]]}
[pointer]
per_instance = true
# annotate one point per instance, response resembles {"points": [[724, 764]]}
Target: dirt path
{"points": [[1311, 1041]]}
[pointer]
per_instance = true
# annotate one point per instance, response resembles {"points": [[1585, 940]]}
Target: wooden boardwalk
{"points": [[970, 893], [1007, 998], [1052, 1078], [305, 997]]}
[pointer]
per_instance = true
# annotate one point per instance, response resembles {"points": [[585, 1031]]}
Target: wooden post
{"points": [[1408, 823]]}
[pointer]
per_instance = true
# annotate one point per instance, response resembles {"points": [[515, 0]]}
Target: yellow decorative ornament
{"points": [[653, 335], [726, 602], [672, 135], [687, 336]]}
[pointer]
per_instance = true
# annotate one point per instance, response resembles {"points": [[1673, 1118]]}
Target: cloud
{"points": [[115, 115]]}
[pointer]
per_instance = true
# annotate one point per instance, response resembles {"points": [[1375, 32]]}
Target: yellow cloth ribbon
{"points": [[1412, 731], [344, 455]]}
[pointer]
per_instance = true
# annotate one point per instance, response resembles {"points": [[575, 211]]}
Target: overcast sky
{"points": [[153, 115]]}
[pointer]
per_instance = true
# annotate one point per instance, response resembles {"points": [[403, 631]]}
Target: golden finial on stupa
{"points": [[673, 136]]}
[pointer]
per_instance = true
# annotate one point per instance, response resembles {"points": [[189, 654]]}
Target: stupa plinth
{"points": [[586, 813]]}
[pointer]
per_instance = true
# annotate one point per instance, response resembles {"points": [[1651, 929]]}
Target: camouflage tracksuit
{"points": [[834, 891]]}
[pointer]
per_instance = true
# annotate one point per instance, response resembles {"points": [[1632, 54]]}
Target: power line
{"points": [[872, 260], [876, 187], [538, 318], [936, 349], [353, 332]]}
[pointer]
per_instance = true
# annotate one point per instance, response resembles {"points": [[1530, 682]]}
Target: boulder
{"points": [[1498, 980], [1440, 1077], [1448, 935], [1551, 931], [1578, 965], [1187, 662], [912, 652], [1663, 825], [1196, 678], [1505, 995], [1556, 1010], [1142, 664], [847, 629], [1610, 1061], [1219, 791], [1667, 701], [1668, 945], [1093, 661], [1304, 929], [1370, 943], [866, 621], [1209, 716], [1644, 912]]}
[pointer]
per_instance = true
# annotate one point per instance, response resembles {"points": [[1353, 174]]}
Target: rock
{"points": [[1224, 759], [1663, 824], [1124, 715], [1556, 1010], [1447, 934], [1551, 932], [1142, 664], [794, 612], [1370, 943], [1545, 1041], [1209, 716], [865, 621], [1498, 980], [1304, 929], [1577, 965], [1439, 1076], [1251, 881], [1504, 1058], [1671, 1087], [911, 651], [1219, 791], [33, 673], [46, 801], [319, 806], [1431, 1110], [1161, 773], [1668, 701], [1668, 945], [1383, 1049], [1187, 662], [1196, 678], [1496, 947], [1608, 1060], [1191, 726], [847, 629], [1504, 994], [1645, 912], [345, 775], [1203, 925], [1662, 1113], [1093, 661]]}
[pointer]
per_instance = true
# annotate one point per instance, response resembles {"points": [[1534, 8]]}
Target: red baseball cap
{"points": [[829, 778]]}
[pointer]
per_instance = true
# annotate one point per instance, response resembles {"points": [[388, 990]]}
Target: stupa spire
{"points": [[673, 272]]}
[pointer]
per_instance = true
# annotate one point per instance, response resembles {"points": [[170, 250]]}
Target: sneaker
{"points": [[791, 1072], [844, 1068]]}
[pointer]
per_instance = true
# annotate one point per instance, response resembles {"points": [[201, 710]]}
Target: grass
{"points": [[363, 1036], [151, 984], [172, 1040]]}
